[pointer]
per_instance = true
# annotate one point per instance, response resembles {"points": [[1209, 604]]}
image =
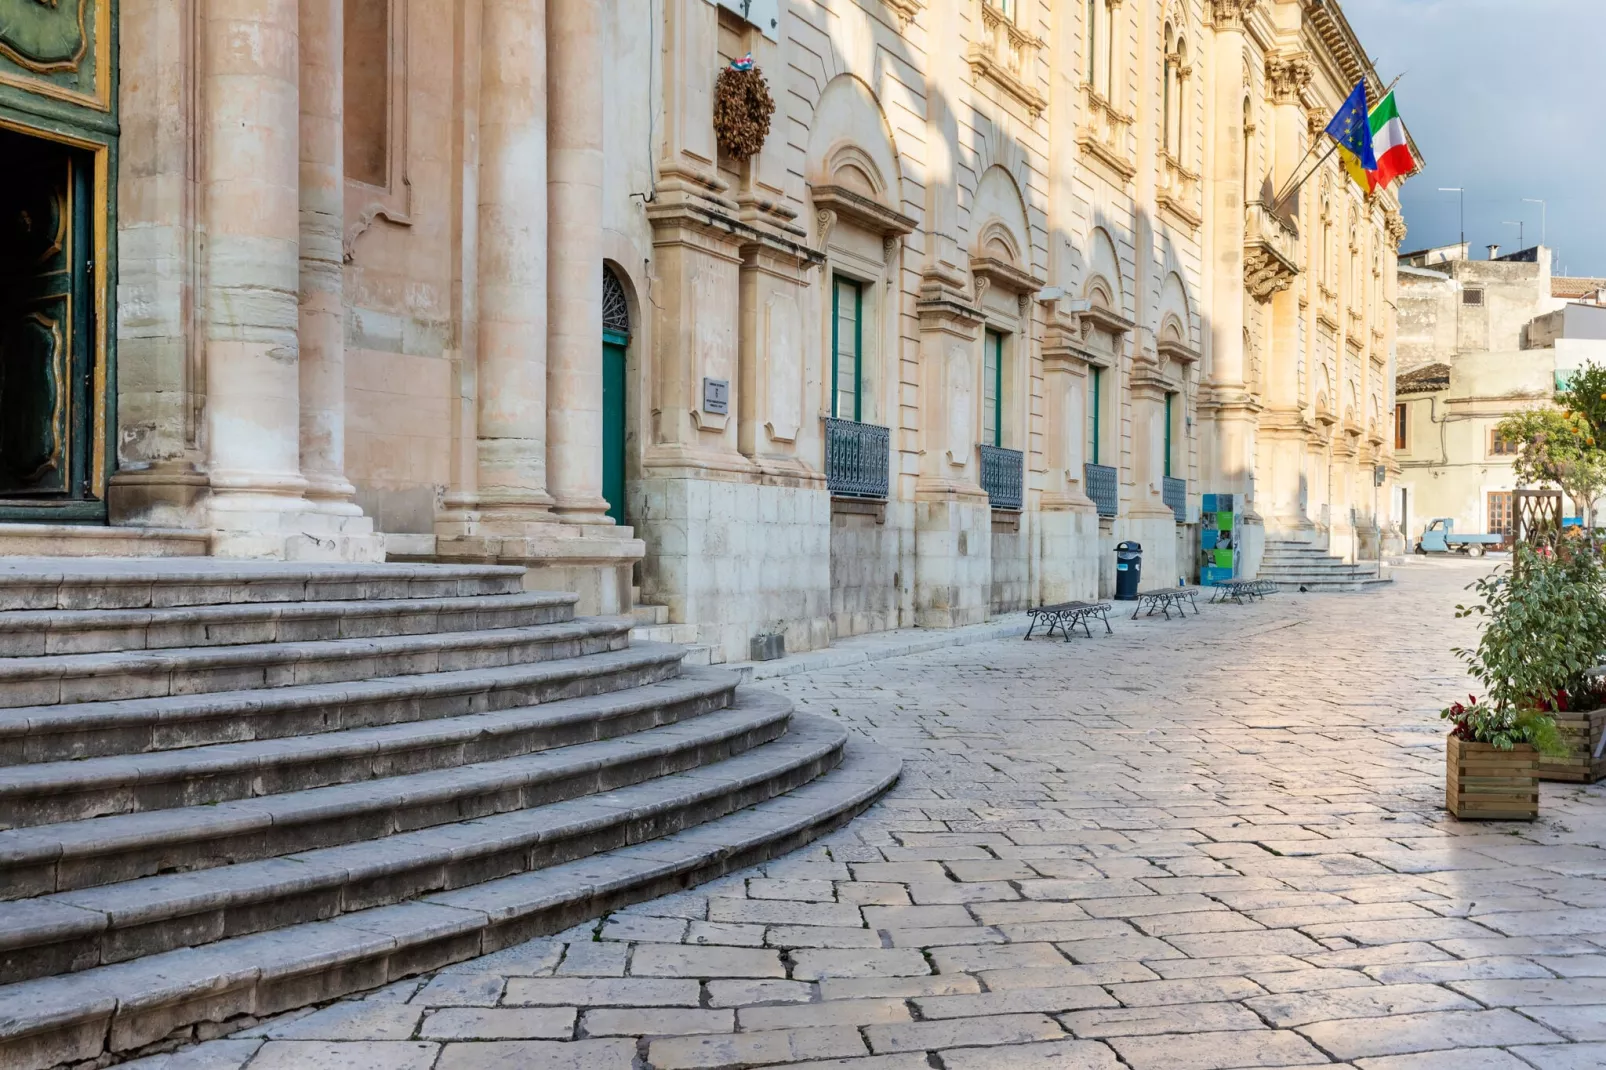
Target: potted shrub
{"points": [[1544, 626], [1581, 720]]}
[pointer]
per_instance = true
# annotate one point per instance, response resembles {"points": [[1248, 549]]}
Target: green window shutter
{"points": [[1170, 410], [1095, 411], [992, 417], [847, 349]]}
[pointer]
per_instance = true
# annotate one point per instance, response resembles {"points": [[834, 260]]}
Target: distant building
{"points": [[1478, 341]]}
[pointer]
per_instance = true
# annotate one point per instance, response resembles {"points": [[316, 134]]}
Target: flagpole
{"points": [[1292, 186]]}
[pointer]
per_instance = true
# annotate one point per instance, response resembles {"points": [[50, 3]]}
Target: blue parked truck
{"points": [[1440, 538]]}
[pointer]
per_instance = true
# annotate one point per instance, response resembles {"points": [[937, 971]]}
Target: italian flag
{"points": [[1389, 145]]}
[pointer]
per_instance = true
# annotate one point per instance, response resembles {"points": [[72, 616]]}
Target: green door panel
{"points": [[613, 429], [45, 320], [43, 35]]}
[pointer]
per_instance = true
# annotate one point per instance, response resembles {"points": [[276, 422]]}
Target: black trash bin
{"points": [[1128, 570]]}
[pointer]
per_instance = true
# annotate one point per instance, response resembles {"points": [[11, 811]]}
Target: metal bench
{"points": [[1165, 599], [1237, 591], [1067, 615]]}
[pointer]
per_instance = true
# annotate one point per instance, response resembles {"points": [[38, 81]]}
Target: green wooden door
{"points": [[613, 424], [46, 322]]}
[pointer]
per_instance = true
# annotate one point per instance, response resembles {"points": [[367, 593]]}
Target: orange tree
{"points": [[1559, 447]]}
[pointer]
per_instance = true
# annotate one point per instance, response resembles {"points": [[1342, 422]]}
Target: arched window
{"points": [[1168, 71], [615, 309], [1180, 67], [1092, 43], [1249, 128]]}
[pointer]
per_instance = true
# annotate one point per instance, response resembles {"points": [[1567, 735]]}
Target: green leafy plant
{"points": [[1476, 722], [1586, 396], [1559, 447], [1544, 626]]}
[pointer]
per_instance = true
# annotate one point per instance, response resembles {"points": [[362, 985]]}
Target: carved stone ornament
{"points": [[1394, 223], [1230, 14], [1265, 274], [742, 110], [1316, 119], [1287, 76]]}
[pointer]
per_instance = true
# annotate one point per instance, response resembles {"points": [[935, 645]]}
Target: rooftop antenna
{"points": [[1518, 225], [1463, 193], [1543, 211]]}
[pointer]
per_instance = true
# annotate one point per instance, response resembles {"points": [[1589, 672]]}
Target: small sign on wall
{"points": [[716, 396]]}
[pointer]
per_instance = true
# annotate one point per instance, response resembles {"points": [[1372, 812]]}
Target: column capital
{"points": [[1230, 14], [1288, 74]]}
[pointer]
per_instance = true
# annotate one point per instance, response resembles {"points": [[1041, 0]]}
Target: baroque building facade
{"points": [[481, 280]]}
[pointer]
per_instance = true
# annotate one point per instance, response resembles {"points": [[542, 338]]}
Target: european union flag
{"points": [[1352, 128]]}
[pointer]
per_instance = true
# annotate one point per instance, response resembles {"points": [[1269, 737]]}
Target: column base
{"points": [[593, 561], [167, 494], [289, 529]]}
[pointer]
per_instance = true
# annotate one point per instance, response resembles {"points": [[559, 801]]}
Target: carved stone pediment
{"points": [[1004, 275], [1169, 349], [850, 206]]}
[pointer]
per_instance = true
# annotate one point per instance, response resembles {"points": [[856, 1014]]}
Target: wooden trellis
{"points": [[1536, 516]]}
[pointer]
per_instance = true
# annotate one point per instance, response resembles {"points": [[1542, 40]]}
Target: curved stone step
{"points": [[729, 756], [75, 855], [53, 792], [136, 726], [133, 583], [125, 1006], [69, 678], [39, 632]]}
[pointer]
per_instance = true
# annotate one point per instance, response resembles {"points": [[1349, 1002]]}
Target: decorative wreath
{"points": [[742, 110]]}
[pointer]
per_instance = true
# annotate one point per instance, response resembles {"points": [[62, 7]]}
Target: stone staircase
{"points": [[652, 625], [228, 789], [1296, 565]]}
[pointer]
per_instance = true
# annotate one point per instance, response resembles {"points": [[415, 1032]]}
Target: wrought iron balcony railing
{"points": [[856, 459], [1175, 493], [1103, 486], [1002, 476]]}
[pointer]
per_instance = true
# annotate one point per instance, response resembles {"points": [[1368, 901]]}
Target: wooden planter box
{"points": [[1582, 732], [1481, 781]]}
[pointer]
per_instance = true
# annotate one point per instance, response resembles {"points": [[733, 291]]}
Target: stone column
{"points": [[252, 218], [1284, 428], [512, 267], [574, 244], [1229, 403], [323, 358]]}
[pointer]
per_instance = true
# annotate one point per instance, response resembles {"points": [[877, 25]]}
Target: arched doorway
{"points": [[615, 338]]}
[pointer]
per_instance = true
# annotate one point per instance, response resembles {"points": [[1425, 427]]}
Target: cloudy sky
{"points": [[1508, 99]]}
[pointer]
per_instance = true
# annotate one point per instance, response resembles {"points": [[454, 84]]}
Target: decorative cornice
{"points": [[1287, 76], [1394, 225]]}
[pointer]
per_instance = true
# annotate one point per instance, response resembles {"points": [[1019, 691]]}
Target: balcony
{"points": [[1104, 487], [1003, 476], [1175, 494], [1271, 252], [856, 459], [1104, 134], [1007, 55], [1179, 191]]}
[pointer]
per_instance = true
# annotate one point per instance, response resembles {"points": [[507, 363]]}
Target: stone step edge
{"points": [[268, 666], [199, 658], [168, 712], [89, 925], [126, 1006], [374, 742], [117, 834], [66, 621], [93, 583]]}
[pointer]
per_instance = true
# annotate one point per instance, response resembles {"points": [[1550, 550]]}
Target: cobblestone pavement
{"points": [[1192, 846]]}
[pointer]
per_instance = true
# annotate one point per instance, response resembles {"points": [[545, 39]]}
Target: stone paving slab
{"points": [[1215, 845]]}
